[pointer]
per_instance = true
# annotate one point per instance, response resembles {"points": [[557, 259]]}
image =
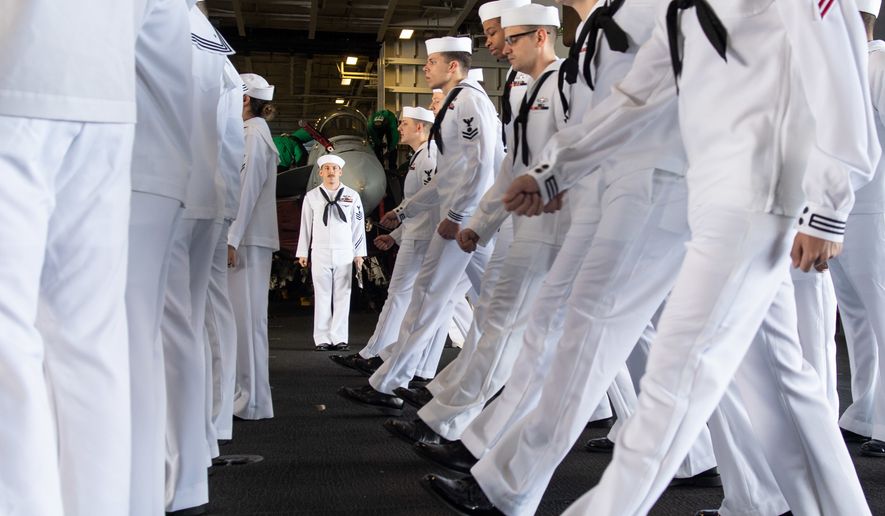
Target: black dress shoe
{"points": [[324, 347], [414, 431], [873, 448], [850, 437], [368, 366], [417, 397], [341, 346], [348, 361], [602, 423], [709, 478], [452, 455], [387, 404], [464, 495], [707, 512], [600, 445], [190, 511]]}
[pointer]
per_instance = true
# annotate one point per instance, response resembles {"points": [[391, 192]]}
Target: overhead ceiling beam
{"points": [[388, 15], [314, 15], [238, 14], [298, 42], [465, 12]]}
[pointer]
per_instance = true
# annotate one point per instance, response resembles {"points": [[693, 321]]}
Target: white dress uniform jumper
{"points": [[333, 229], [255, 237], [65, 161]]}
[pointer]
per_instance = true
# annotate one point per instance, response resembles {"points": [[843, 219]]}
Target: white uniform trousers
{"points": [[462, 318], [859, 279], [816, 316], [221, 335], [332, 274], [627, 273], [429, 362], [451, 374], [734, 279], [433, 290], [399, 291], [184, 347], [152, 223], [249, 283], [64, 382], [487, 370]]}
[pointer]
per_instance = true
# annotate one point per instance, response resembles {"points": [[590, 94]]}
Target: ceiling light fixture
{"points": [[346, 82], [350, 60], [339, 101], [406, 34]]}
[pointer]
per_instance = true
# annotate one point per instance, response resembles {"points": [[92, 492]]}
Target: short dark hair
{"points": [[262, 108], [464, 58], [869, 21]]}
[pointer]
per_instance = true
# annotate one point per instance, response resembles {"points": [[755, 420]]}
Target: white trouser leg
{"points": [[701, 456], [184, 348], [221, 332], [322, 274], [64, 381], [488, 369], [429, 362], [342, 277], [747, 481], [639, 237], [462, 318], [544, 326], [733, 279], [249, 283], [816, 315], [860, 287], [399, 291], [433, 290], [152, 223]]}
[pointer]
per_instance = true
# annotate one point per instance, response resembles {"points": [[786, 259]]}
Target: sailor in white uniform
{"points": [[535, 244], [221, 326], [333, 234], [184, 342], [67, 111], [251, 240], [160, 170], [466, 135], [858, 277], [744, 200]]}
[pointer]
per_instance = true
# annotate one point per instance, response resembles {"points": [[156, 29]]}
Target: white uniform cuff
{"points": [[543, 175], [822, 222]]}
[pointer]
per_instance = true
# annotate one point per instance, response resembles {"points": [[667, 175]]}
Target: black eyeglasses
{"points": [[510, 40]]}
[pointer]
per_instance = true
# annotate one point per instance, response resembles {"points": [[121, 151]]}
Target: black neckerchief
{"points": [[414, 157], [710, 24], [602, 19], [330, 203], [520, 126], [506, 108], [436, 129]]}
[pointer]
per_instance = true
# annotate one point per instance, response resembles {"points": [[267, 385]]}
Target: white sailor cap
{"points": [[437, 90], [869, 6], [419, 113], [491, 10], [449, 44], [531, 14], [330, 158], [257, 87], [475, 74]]}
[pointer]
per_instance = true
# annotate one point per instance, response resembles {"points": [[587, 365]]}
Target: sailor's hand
{"points": [[809, 251], [467, 240], [523, 197], [448, 229], [555, 204], [231, 257], [390, 220], [358, 261], [302, 261], [384, 242]]}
